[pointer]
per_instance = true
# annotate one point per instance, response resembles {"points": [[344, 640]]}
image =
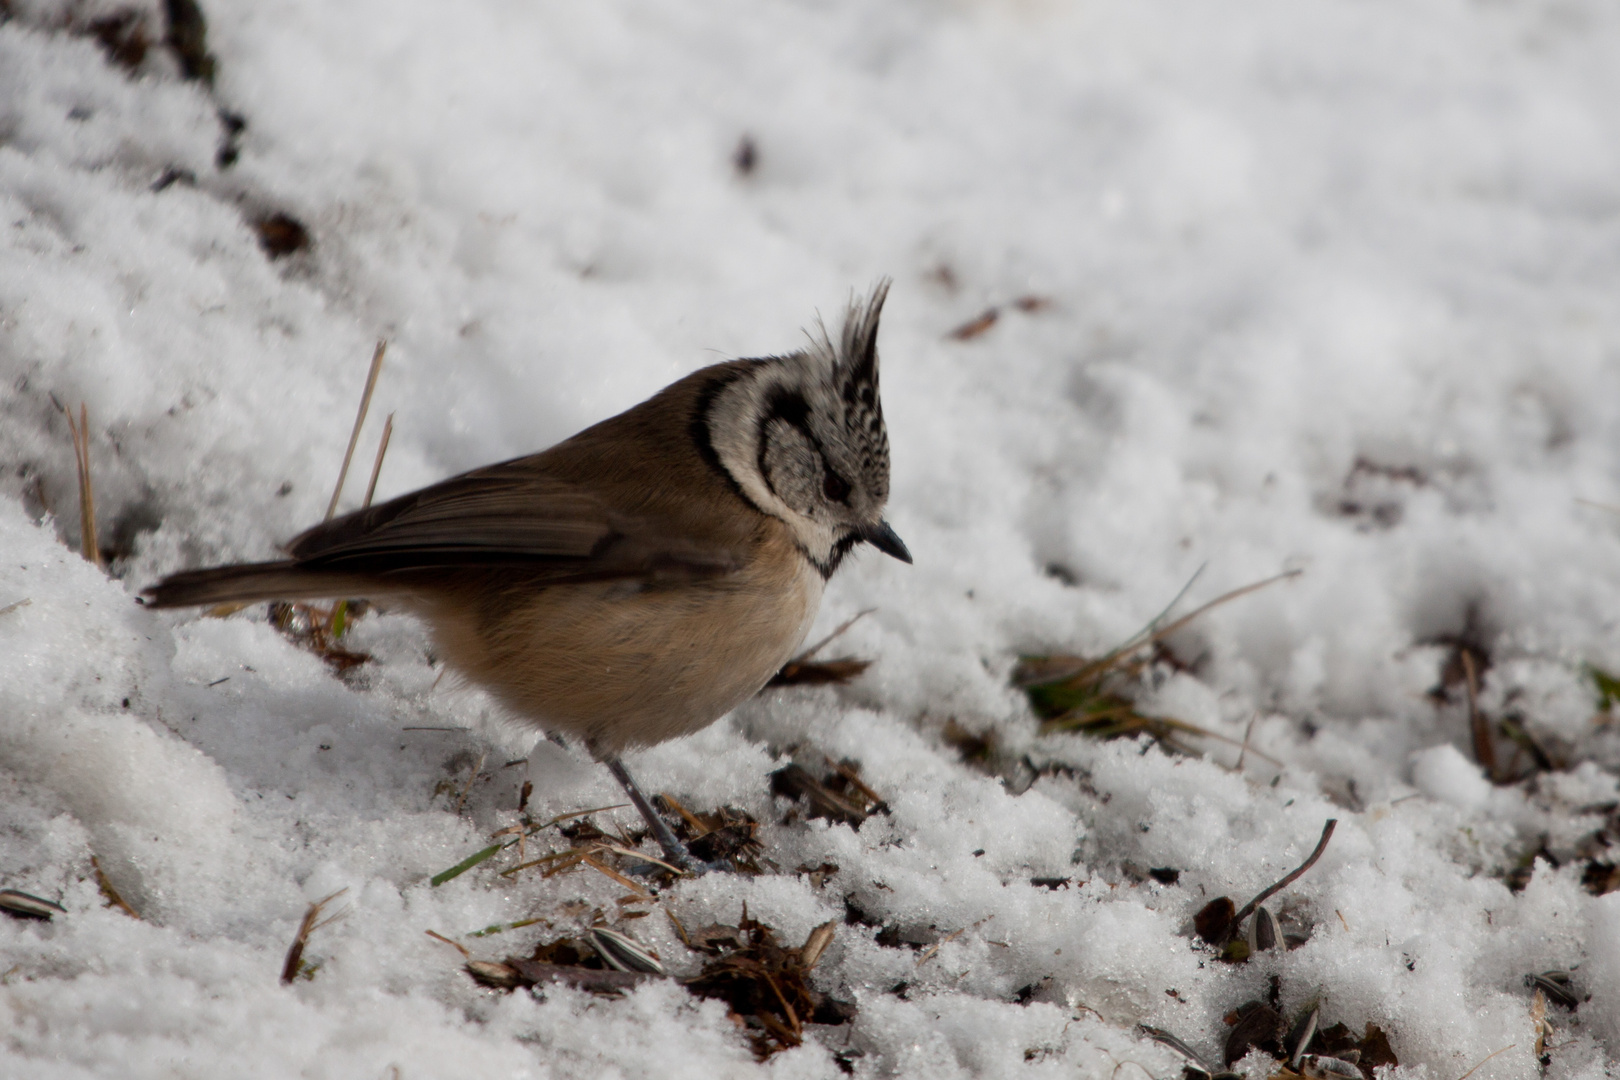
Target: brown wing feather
{"points": [[511, 513]]}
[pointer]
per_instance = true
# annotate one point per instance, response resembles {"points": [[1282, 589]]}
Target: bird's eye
{"points": [[835, 487]]}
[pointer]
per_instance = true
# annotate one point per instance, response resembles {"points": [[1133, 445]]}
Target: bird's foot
{"points": [[676, 853]]}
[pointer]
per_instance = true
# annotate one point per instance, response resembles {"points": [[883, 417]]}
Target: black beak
{"points": [[882, 537]]}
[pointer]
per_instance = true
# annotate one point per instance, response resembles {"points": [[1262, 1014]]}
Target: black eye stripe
{"points": [[790, 407]]}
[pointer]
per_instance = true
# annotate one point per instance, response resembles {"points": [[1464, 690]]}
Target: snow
{"points": [[1331, 288]]}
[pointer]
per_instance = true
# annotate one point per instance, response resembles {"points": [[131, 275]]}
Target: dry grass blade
{"points": [[572, 814], [680, 930], [376, 466], [976, 326], [1089, 671], [603, 868], [1486, 1058], [87, 495], [1247, 733], [13, 606], [838, 632], [466, 952], [643, 856], [1159, 1035], [461, 800], [816, 944], [564, 859], [1109, 716], [1071, 693], [842, 670], [794, 781], [854, 780], [787, 1008], [1484, 748], [359, 422], [948, 938], [805, 670], [691, 819], [312, 922]]}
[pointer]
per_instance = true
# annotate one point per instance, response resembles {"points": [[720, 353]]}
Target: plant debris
{"points": [[1607, 686], [766, 985], [1302, 1049], [23, 905], [109, 892], [722, 835], [1217, 923], [621, 952], [281, 234], [80, 432], [569, 961], [1600, 877], [319, 629], [804, 670], [123, 35], [839, 796], [294, 966], [370, 388], [982, 322], [1557, 987], [231, 125], [1256, 1026], [187, 38], [976, 748], [1073, 693]]}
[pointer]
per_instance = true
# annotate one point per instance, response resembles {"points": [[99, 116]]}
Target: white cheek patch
{"points": [[734, 434]]}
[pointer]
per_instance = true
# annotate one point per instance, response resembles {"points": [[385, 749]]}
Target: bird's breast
{"points": [[623, 664]]}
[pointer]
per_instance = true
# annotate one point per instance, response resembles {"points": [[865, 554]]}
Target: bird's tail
{"points": [[249, 582]]}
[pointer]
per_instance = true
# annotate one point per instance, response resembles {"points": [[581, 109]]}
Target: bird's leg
{"points": [[675, 851]]}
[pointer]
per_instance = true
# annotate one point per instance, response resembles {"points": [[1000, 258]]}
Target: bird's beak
{"points": [[882, 537]]}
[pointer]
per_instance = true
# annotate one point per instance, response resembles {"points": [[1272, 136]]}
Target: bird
{"points": [[640, 579]]}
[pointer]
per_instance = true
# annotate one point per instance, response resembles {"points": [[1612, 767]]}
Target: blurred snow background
{"points": [[1327, 285]]}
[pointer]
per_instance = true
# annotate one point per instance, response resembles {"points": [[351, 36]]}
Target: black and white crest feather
{"points": [[802, 436]]}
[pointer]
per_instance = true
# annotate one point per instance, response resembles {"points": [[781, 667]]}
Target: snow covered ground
{"points": [[1330, 285]]}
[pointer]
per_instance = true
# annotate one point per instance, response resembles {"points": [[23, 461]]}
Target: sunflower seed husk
{"points": [[28, 906], [623, 953], [1322, 1067]]}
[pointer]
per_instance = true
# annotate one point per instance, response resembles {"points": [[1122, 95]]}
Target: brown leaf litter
{"points": [[764, 984]]}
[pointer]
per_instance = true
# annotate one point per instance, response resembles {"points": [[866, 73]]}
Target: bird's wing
{"points": [[509, 514]]}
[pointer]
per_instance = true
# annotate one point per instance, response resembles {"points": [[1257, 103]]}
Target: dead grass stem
{"points": [[376, 466], [359, 422], [312, 922], [80, 432]]}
